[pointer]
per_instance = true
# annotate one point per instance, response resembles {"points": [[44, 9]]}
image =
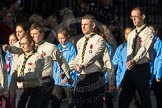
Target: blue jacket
{"points": [[155, 64], [69, 53], [159, 62], [119, 62], [8, 61]]}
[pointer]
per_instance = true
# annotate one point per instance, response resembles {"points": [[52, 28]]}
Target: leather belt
{"points": [[46, 77]]}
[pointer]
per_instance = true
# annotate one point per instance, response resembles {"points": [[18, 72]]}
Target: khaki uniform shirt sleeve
{"points": [[109, 67], [61, 60], [72, 64], [15, 49]]}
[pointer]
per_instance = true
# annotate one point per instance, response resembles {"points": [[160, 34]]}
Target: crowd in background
{"points": [[15, 24]]}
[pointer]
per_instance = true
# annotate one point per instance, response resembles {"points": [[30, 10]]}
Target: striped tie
{"points": [[135, 40], [135, 43], [84, 48], [24, 62]]}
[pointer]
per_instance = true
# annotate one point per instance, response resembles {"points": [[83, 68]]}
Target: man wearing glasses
{"points": [[137, 76]]}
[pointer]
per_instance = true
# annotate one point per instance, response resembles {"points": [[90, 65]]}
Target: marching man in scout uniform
{"points": [[89, 64], [139, 51]]}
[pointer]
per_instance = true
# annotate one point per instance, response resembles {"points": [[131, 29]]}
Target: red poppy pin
{"points": [[91, 46], [30, 64], [43, 54], [140, 41]]}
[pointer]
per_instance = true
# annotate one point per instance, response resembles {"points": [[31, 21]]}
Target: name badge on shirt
{"points": [[90, 51], [43, 54], [29, 69]]}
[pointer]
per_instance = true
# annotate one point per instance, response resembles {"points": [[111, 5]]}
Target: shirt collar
{"points": [[89, 35], [139, 28], [28, 53], [41, 42]]}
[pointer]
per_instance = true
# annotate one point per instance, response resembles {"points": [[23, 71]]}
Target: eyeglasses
{"points": [[136, 17], [22, 44], [34, 34]]}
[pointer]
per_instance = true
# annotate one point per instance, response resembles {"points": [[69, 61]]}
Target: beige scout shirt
{"points": [[51, 53], [144, 45], [93, 54], [108, 67], [32, 72], [96, 57], [15, 57]]}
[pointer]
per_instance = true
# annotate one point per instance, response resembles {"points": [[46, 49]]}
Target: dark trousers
{"points": [[12, 92], [109, 100], [61, 92], [47, 88], [135, 102], [89, 90], [30, 98], [157, 88], [135, 79]]}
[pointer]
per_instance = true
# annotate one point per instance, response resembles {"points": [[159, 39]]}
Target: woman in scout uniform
{"points": [[29, 70]]}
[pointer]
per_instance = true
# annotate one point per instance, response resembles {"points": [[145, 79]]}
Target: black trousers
{"points": [[157, 88], [47, 88], [109, 100], [136, 79], [30, 98], [89, 90], [12, 92], [59, 93]]}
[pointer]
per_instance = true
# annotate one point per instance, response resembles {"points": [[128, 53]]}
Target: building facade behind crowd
{"points": [[8, 24]]}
